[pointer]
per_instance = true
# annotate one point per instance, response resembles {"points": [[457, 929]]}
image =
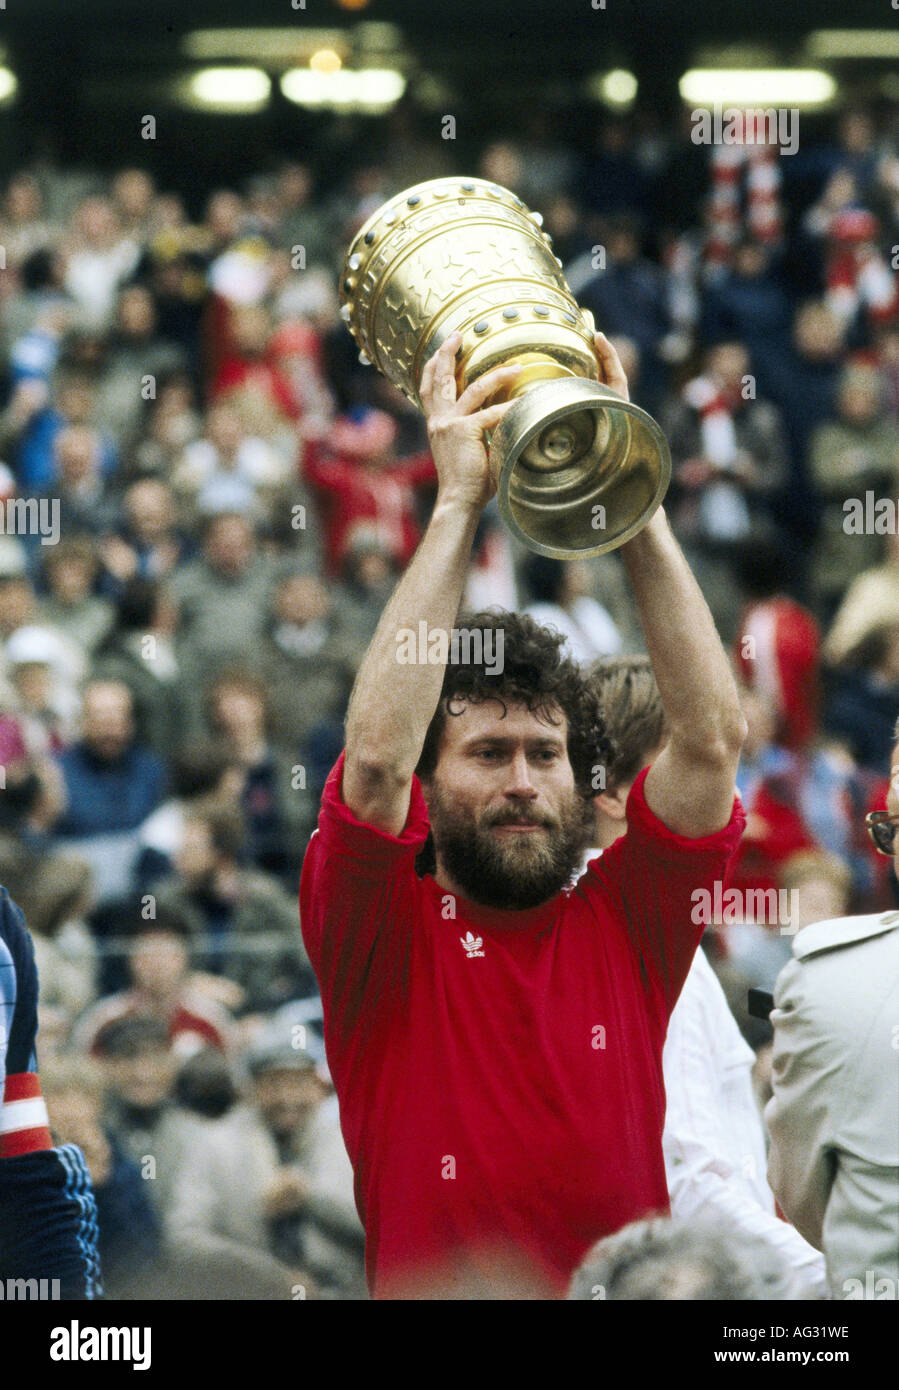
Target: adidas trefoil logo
{"points": [[472, 945]]}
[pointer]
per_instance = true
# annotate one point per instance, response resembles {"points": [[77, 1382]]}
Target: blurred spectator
{"points": [[171, 421], [729, 456], [809, 798], [78, 487], [300, 222], [111, 784], [198, 769], [37, 416], [229, 469], [23, 225], [148, 543], [132, 196], [834, 1115], [284, 1183], [139, 1067], [100, 258], [240, 713], [162, 988], [871, 601], [745, 195], [887, 360], [70, 570], [360, 484], [752, 305], [368, 579], [822, 883], [248, 922], [250, 381], [54, 892], [729, 451], [850, 455], [808, 388], [221, 598], [32, 796], [627, 296], [205, 1084], [561, 599], [140, 654], [861, 287], [47, 701], [307, 658], [613, 181], [663, 1260], [129, 1231], [863, 698], [137, 357], [777, 649]]}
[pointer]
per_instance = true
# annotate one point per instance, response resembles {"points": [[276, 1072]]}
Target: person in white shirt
{"points": [[714, 1140], [561, 600], [834, 1109]]}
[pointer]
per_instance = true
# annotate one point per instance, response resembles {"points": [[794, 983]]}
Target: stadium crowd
{"points": [[237, 496]]}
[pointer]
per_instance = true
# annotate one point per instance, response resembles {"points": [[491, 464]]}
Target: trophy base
{"points": [[578, 470]]}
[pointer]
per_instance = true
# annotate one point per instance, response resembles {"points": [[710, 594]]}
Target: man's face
{"points": [[195, 856], [229, 545], [143, 1081], [16, 603], [859, 403], [76, 453], [225, 430], [106, 720], [286, 1098], [158, 963], [302, 599], [136, 313], [729, 363], [150, 509], [509, 825], [70, 579]]}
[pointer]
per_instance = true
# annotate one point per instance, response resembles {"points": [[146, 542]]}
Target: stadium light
{"points": [[270, 46], [853, 43], [757, 87], [8, 84], [361, 89], [230, 89], [617, 88], [325, 60]]}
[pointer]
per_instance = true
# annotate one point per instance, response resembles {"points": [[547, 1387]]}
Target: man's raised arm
{"points": [[690, 786], [393, 703]]}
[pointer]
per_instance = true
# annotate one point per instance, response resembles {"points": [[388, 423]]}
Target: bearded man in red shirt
{"points": [[495, 1035]]}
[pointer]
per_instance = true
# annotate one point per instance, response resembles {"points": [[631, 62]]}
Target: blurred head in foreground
{"points": [[665, 1259]]}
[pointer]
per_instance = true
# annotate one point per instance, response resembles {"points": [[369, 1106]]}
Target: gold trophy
{"points": [[578, 470]]}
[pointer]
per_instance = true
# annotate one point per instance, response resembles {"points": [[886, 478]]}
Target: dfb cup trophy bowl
{"points": [[578, 470]]}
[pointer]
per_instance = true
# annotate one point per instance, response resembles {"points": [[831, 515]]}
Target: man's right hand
{"points": [[456, 426]]}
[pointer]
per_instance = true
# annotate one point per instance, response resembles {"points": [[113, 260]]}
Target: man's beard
{"points": [[514, 871]]}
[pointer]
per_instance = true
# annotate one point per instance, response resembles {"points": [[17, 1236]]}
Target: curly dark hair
{"points": [[536, 673]]}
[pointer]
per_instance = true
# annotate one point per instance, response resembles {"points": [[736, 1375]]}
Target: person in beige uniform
{"points": [[834, 1114]]}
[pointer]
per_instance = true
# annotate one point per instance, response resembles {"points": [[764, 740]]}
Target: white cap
{"points": [[35, 644]]}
